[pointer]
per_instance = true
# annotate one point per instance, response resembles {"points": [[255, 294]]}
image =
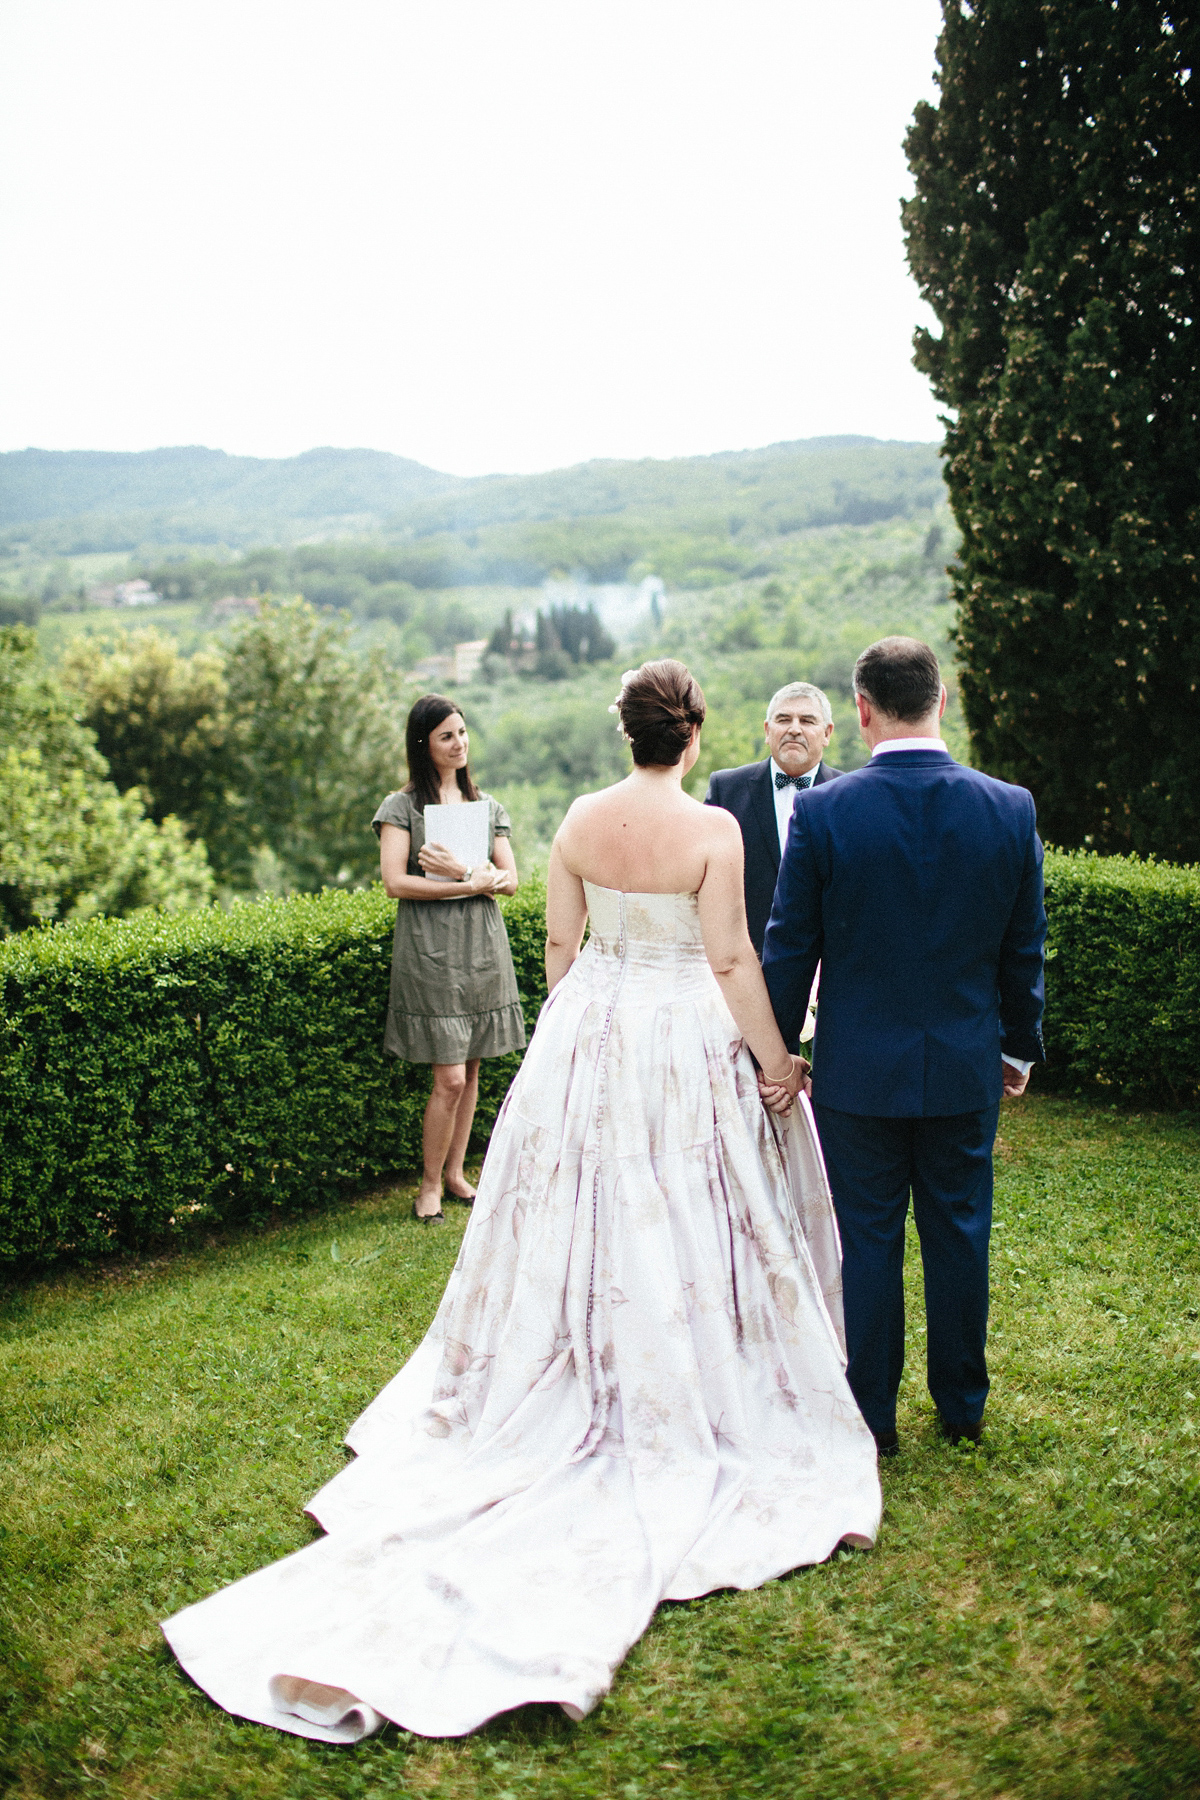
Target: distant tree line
{"points": [[564, 637]]}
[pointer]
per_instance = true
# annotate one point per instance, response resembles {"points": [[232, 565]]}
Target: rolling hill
{"points": [[81, 501]]}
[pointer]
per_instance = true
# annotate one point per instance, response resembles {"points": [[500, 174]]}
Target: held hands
{"points": [[1014, 1081], [778, 1096]]}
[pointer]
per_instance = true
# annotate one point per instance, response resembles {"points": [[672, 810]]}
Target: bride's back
{"points": [[646, 836], [643, 836]]}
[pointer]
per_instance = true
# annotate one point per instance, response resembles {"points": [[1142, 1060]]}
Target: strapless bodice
{"points": [[650, 930]]}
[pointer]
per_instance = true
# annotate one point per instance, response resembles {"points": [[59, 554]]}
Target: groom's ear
{"points": [[942, 701]]}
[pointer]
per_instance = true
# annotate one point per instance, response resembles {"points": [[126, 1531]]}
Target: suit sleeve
{"points": [[795, 932], [712, 796], [1021, 975]]}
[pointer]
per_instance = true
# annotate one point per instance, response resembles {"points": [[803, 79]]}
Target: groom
{"points": [[917, 884]]}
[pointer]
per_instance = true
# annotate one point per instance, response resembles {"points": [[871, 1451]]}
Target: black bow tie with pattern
{"points": [[796, 781]]}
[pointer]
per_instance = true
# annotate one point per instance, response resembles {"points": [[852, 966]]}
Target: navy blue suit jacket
{"points": [[749, 795], [917, 885]]}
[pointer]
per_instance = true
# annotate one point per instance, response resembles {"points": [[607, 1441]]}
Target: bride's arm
{"points": [[732, 957], [566, 916]]}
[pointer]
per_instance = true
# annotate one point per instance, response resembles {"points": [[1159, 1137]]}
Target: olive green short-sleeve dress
{"points": [[453, 992]]}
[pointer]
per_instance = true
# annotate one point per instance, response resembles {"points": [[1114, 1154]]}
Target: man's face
{"points": [[797, 735]]}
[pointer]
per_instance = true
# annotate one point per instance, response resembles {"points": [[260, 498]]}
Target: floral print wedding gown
{"points": [[633, 1390]]}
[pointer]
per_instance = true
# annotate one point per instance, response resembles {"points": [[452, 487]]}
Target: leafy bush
{"points": [[209, 1065], [70, 844], [219, 1065], [1123, 979], [160, 719], [317, 739]]}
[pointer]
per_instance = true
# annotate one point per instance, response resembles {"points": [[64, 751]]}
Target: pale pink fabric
{"points": [[633, 1389]]}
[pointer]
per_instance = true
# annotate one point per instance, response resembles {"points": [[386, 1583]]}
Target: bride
{"points": [[633, 1390]]}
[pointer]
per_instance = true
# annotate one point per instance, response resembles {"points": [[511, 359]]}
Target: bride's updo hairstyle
{"points": [[658, 705]]}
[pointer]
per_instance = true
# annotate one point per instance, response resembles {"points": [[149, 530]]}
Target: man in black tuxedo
{"points": [[760, 795]]}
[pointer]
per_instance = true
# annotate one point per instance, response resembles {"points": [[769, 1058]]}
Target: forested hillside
{"points": [[75, 501], [71, 503], [243, 720]]}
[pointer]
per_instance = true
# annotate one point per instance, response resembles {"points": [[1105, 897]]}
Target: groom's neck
{"points": [[884, 729]]}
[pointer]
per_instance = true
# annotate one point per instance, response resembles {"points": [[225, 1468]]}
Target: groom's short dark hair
{"points": [[900, 676]]}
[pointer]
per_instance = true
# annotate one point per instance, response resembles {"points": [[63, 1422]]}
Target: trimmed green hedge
{"points": [[226, 1065], [213, 1065], [1123, 979]]}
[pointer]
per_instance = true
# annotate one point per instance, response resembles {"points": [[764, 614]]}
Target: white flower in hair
{"points": [[626, 678]]}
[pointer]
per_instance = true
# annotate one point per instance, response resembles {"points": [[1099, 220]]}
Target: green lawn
{"points": [[1026, 1624]]}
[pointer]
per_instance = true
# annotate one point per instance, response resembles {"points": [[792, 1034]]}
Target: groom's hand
{"points": [[1015, 1080]]}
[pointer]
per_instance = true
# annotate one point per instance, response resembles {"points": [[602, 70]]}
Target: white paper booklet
{"points": [[463, 830]]}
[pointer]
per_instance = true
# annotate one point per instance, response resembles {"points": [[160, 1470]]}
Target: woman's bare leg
{"points": [[456, 1180], [441, 1116]]}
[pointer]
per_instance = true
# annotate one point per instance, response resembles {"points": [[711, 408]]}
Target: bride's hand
{"points": [[779, 1095]]}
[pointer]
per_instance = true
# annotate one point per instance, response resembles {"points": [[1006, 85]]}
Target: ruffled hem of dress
{"points": [[413, 1037]]}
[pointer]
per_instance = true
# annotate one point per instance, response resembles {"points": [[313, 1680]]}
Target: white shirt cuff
{"points": [[1013, 1062]]}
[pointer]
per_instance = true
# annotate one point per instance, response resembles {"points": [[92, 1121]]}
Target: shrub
{"points": [[1123, 978], [71, 846], [210, 1065], [222, 1066]]}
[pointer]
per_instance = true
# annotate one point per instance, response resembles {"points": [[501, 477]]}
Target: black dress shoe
{"points": [[887, 1443], [955, 1434]]}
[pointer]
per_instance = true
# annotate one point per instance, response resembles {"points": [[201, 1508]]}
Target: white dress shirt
{"points": [[908, 744], [920, 743], [785, 799]]}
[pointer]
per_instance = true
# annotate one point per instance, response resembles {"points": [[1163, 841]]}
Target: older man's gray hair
{"points": [[801, 690]]}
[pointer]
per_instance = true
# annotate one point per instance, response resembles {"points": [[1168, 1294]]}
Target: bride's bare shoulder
{"points": [[580, 809], [714, 821]]}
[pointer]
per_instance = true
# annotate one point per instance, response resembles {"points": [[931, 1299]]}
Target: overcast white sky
{"points": [[488, 234]]}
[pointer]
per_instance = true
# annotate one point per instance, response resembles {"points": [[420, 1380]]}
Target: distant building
{"points": [[123, 593], [136, 593], [432, 672], [467, 658], [460, 665]]}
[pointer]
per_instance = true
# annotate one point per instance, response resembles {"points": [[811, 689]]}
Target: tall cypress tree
{"points": [[1054, 233]]}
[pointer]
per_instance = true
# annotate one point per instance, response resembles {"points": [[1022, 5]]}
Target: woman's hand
{"points": [[435, 859], [778, 1094]]}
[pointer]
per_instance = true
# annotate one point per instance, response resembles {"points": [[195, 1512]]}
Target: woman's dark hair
{"points": [[900, 676], [424, 783], [658, 705]]}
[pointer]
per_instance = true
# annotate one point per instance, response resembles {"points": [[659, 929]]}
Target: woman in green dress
{"points": [[453, 996]]}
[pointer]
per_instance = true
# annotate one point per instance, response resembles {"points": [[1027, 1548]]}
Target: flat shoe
{"points": [[459, 1199], [428, 1218]]}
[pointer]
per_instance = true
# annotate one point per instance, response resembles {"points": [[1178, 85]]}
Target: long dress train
{"points": [[633, 1389]]}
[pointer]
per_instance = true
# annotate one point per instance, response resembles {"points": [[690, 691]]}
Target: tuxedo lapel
{"points": [[762, 804]]}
